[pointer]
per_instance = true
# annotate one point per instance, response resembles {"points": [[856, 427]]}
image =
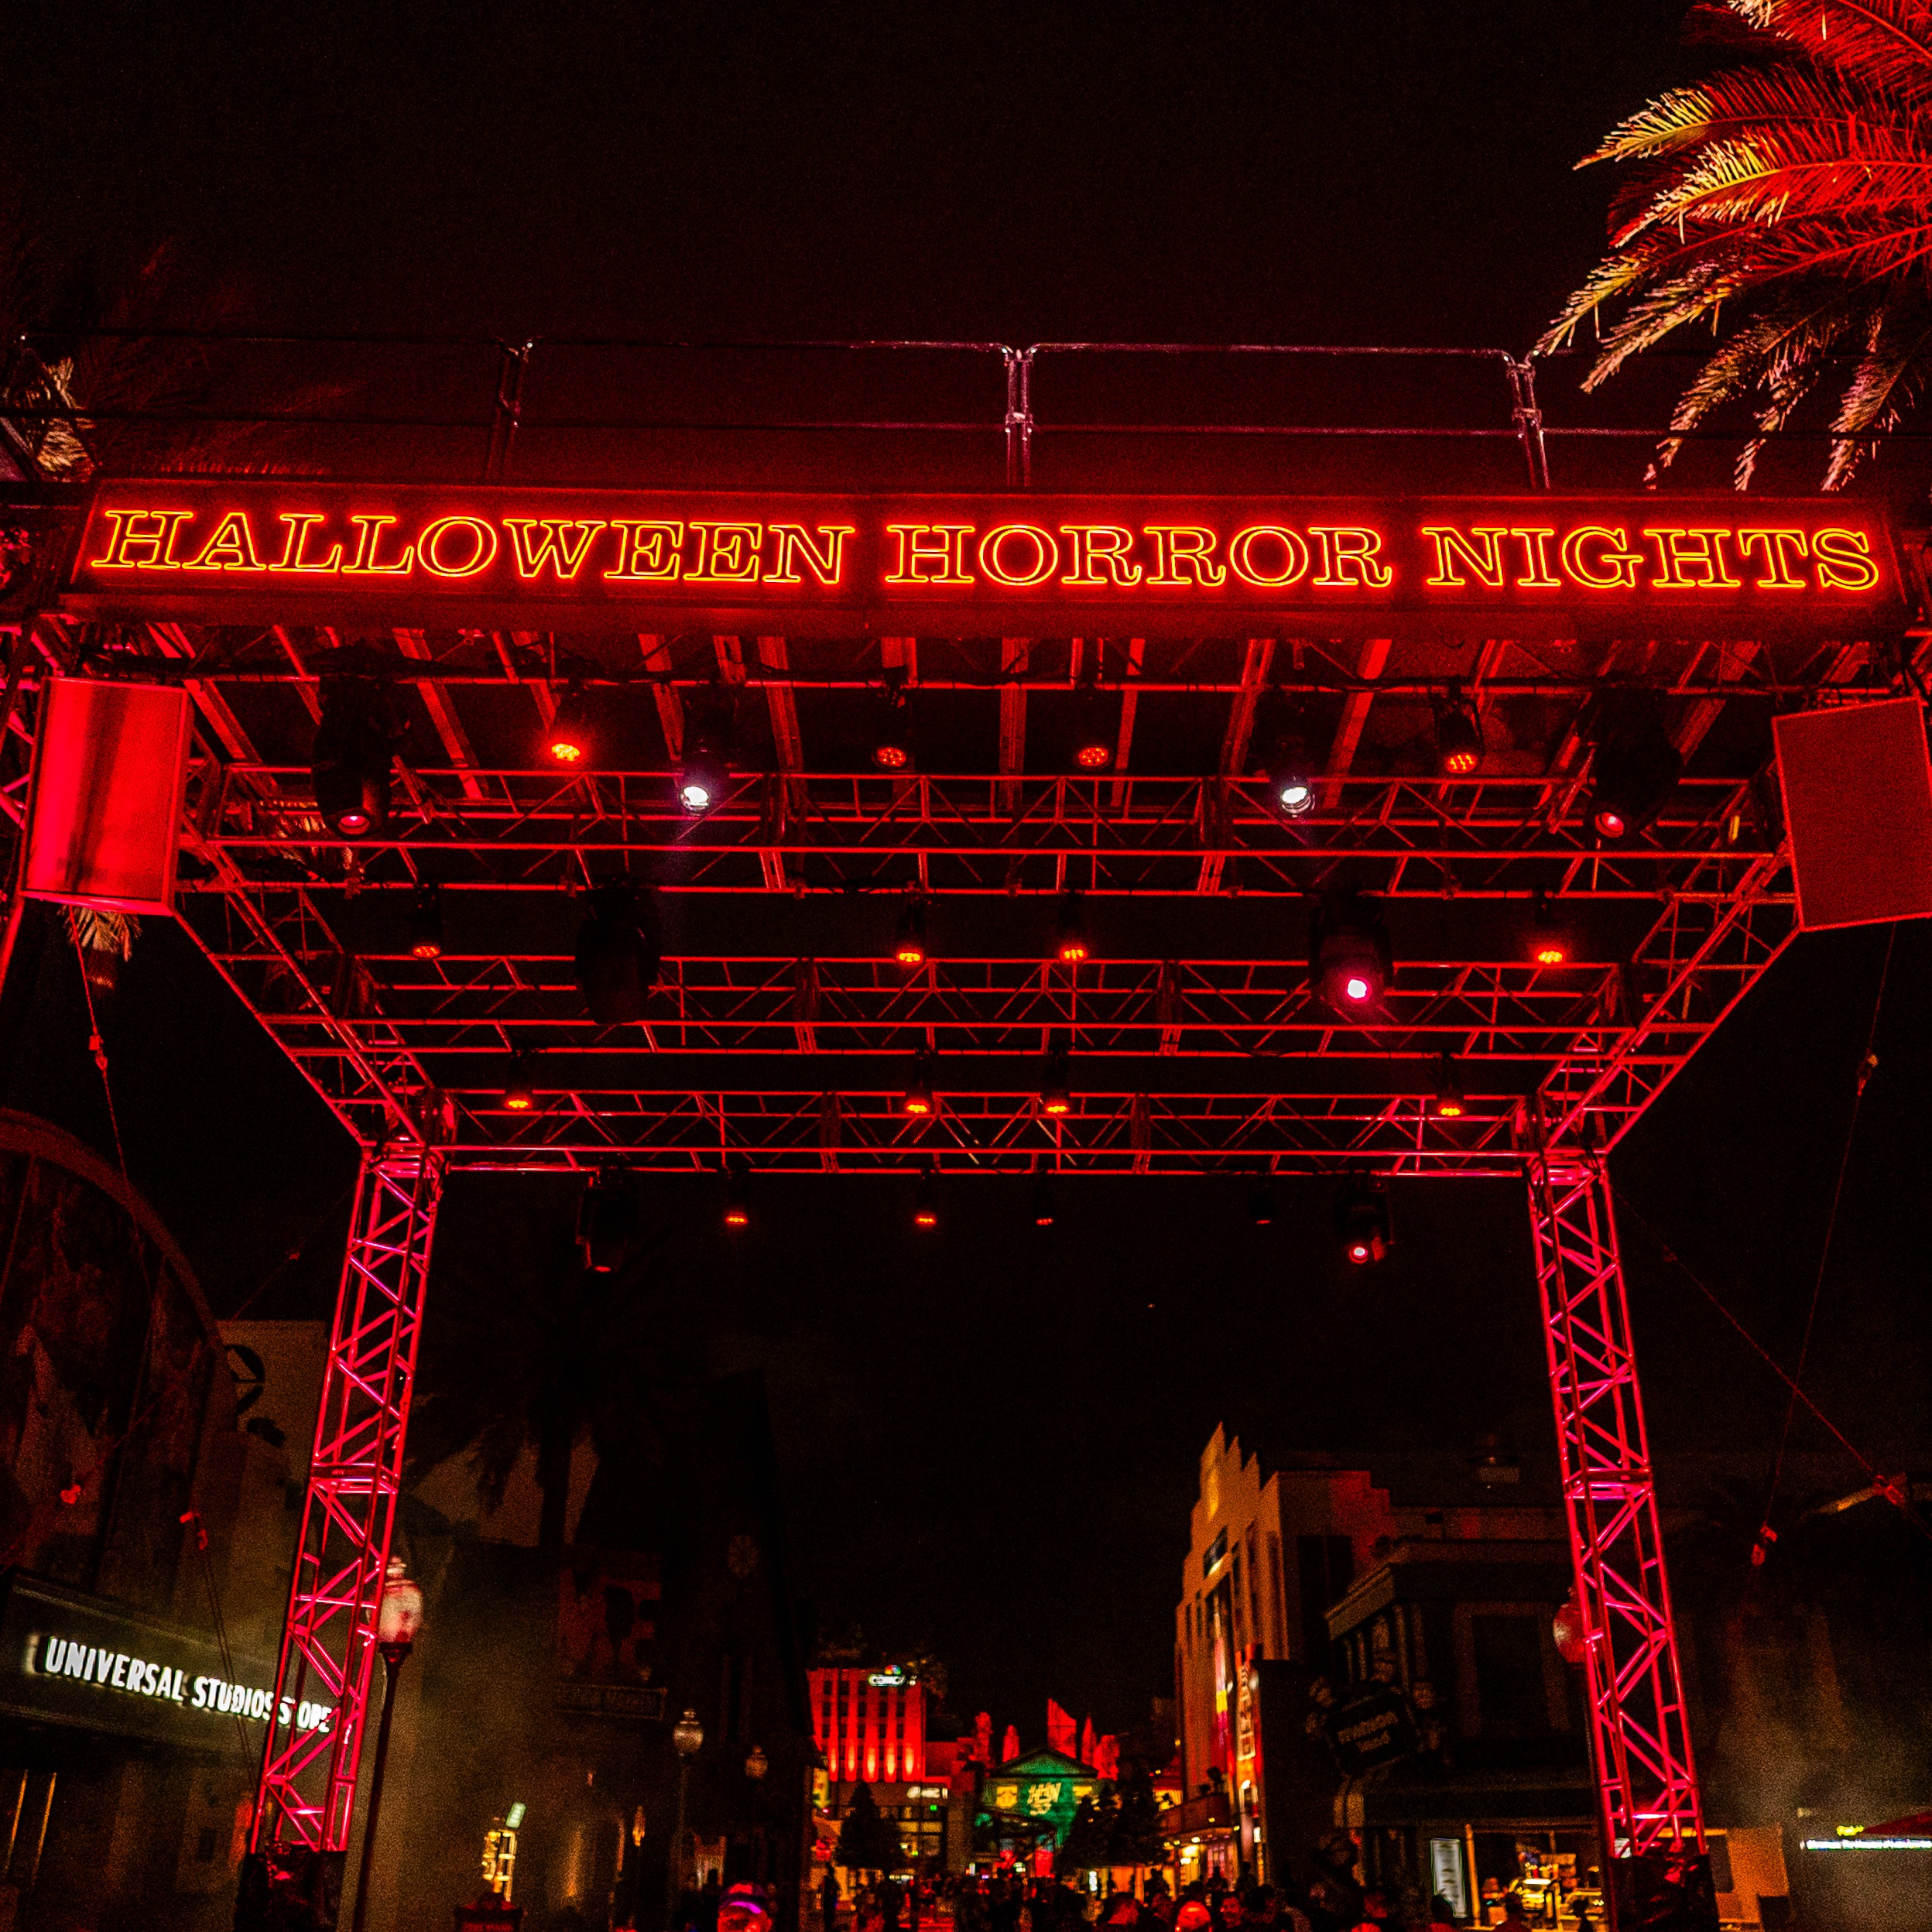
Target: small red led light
{"points": [[1448, 1109], [917, 1104], [1356, 988], [737, 1217], [1610, 824], [1073, 950], [518, 1102], [1458, 764], [891, 757], [911, 955], [1550, 955], [1358, 1252], [427, 948], [353, 822], [565, 751], [1058, 1104], [925, 1218], [1093, 757]]}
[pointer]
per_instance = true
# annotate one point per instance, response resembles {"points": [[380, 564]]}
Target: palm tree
{"points": [[524, 1348], [1795, 187]]}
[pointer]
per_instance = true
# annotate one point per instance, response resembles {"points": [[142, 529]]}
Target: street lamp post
{"points": [[688, 1735], [398, 1618]]}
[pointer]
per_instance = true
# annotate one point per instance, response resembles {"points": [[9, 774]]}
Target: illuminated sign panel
{"points": [[836, 562], [76, 1661]]}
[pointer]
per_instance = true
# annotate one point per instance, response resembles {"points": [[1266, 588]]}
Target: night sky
{"points": [[988, 1438]]}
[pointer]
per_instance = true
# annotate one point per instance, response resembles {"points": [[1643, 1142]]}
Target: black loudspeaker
{"points": [[1857, 799]]}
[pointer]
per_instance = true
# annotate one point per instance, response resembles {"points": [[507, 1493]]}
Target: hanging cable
{"points": [[192, 1519], [1900, 1499], [1766, 1534]]}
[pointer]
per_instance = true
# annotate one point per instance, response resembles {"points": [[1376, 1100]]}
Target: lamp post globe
{"points": [[757, 1764], [398, 1617], [687, 1739]]}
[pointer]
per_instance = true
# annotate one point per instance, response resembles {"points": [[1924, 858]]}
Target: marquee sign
{"points": [[255, 548]]}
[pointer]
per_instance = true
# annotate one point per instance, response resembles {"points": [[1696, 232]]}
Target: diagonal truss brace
{"points": [[1640, 1734], [307, 1789]]}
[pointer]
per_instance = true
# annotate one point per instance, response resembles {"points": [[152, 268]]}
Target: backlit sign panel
{"points": [[841, 562]]}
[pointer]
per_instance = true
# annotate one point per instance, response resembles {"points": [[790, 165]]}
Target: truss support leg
{"points": [[307, 1789], [1650, 1814]]}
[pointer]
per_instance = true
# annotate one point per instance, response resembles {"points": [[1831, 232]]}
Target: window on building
{"points": [[1277, 1602], [1511, 1697], [1213, 1554], [1325, 1566]]}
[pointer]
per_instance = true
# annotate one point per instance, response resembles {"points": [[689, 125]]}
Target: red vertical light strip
{"points": [[889, 1736], [307, 1789], [872, 1734], [916, 1732], [1646, 1781]]}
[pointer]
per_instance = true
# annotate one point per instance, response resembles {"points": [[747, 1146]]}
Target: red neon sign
{"points": [[275, 545]]}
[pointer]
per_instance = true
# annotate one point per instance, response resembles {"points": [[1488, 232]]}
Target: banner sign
{"points": [[267, 548]]}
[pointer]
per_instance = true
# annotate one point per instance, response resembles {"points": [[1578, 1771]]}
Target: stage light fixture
{"points": [[1450, 1103], [1042, 1202], [1070, 930], [738, 1212], [617, 955], [1636, 770], [1362, 1224], [520, 1091], [1459, 739], [703, 773], [426, 923], [606, 1223], [569, 739], [1549, 946], [892, 732], [1349, 959], [909, 947], [1056, 1094], [1291, 779], [350, 763], [1261, 1204], [925, 1202], [918, 1102], [1096, 730]]}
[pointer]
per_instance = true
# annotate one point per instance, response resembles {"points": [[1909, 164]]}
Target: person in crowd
{"points": [[1193, 1917], [1514, 1915], [828, 1900], [1123, 1913], [1442, 1915]]}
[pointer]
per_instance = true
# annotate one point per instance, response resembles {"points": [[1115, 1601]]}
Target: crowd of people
{"points": [[1011, 1903]]}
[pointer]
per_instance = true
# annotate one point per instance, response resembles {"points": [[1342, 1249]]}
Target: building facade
{"points": [[147, 1541]]}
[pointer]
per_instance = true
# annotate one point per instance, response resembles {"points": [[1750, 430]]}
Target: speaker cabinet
{"points": [[1857, 799], [110, 767]]}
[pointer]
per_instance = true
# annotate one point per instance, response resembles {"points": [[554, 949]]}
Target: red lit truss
{"points": [[1640, 1732], [781, 1033], [307, 1790]]}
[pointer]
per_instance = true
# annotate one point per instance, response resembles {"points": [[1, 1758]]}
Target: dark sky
{"points": [[988, 1438]]}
